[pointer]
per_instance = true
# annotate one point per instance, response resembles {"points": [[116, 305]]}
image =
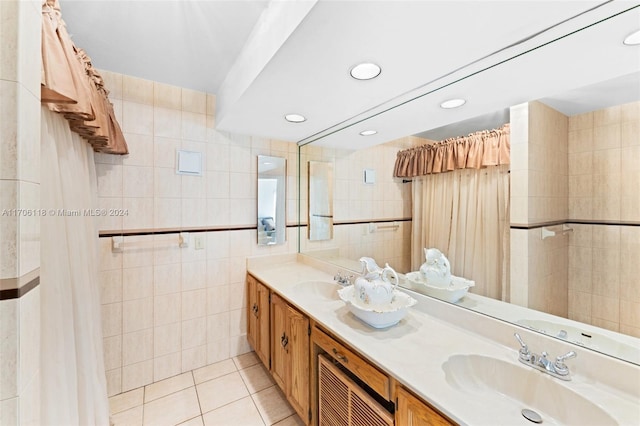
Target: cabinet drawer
{"points": [[375, 379]]}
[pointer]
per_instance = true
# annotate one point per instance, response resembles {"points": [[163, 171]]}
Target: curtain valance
{"points": [[72, 87], [475, 151]]}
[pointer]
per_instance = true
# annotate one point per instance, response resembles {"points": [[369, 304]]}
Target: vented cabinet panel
{"points": [[343, 402]]}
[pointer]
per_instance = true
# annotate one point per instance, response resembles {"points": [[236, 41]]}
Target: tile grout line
{"points": [[144, 391], [253, 401], [250, 395], [237, 370], [197, 395]]}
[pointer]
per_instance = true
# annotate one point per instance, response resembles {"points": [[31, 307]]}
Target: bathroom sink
{"points": [[508, 388], [318, 290]]}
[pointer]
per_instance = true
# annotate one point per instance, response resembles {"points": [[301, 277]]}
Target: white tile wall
{"points": [[602, 163], [540, 185], [604, 150], [388, 198], [168, 310], [19, 189]]}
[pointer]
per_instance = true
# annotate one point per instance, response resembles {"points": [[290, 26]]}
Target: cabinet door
{"points": [[413, 412], [263, 343], [252, 311], [298, 366], [280, 342]]}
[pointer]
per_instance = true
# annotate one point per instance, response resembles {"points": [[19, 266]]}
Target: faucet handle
{"points": [[560, 366], [525, 355]]}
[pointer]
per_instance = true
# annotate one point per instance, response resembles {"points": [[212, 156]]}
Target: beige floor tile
{"points": [[239, 413], [272, 405], [125, 401], [172, 409], [294, 420], [131, 417], [196, 421], [221, 391], [246, 360], [256, 378], [168, 386], [214, 371]]}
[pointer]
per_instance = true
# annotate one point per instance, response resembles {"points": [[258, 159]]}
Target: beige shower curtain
{"points": [[461, 205], [464, 213], [73, 384]]}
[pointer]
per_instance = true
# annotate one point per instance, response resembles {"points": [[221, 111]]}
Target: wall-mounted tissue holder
{"points": [[546, 232], [118, 244]]}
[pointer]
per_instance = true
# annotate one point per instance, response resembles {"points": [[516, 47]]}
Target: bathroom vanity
{"points": [[440, 365]]}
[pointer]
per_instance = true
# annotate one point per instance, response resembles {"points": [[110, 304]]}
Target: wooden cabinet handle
{"points": [[284, 340], [255, 309], [339, 356]]}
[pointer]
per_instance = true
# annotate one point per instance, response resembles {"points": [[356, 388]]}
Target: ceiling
{"points": [[190, 44], [604, 94], [266, 59]]}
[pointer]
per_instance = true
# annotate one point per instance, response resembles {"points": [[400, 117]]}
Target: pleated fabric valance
{"points": [[475, 151], [72, 87]]}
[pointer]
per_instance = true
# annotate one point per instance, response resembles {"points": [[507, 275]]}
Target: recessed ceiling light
{"points": [[295, 118], [632, 39], [368, 132], [453, 103], [365, 71]]}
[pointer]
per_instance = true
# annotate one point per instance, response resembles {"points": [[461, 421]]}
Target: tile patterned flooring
{"points": [[234, 392]]}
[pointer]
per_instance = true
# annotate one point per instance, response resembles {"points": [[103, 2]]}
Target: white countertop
{"points": [[414, 350]]}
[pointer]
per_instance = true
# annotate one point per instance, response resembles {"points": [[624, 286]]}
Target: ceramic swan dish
{"points": [[374, 287], [436, 271]]}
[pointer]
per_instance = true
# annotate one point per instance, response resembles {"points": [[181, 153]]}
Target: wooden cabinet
{"points": [[359, 369], [290, 353], [342, 402], [280, 346], [258, 321], [411, 411], [286, 344], [374, 378]]}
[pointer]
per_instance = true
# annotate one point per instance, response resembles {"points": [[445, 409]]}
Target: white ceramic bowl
{"points": [[452, 293], [381, 316]]}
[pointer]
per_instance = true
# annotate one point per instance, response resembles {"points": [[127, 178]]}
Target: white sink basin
{"points": [[318, 290], [505, 389]]}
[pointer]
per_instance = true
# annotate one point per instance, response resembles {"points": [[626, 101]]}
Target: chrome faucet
{"points": [[343, 280], [540, 362]]}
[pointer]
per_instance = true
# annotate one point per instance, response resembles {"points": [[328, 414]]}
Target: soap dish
{"points": [[382, 316]]}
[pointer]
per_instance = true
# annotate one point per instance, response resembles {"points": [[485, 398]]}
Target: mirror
{"points": [[598, 257], [320, 178], [272, 177]]}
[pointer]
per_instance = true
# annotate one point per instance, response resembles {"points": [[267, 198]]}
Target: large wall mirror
{"points": [[573, 224], [272, 178]]}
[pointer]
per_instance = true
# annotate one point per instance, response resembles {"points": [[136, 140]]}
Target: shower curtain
{"points": [[461, 205], [73, 384], [464, 213]]}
